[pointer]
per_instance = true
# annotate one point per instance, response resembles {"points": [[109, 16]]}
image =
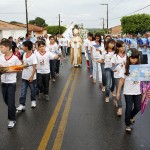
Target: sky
{"points": [[86, 12]]}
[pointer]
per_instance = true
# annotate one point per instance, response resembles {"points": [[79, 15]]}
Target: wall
{"points": [[14, 33], [116, 30]]}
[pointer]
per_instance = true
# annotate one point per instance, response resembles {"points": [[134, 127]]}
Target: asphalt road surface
{"points": [[75, 118]]}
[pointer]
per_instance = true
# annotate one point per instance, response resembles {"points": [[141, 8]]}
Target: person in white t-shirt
{"points": [[63, 43], [109, 74], [96, 54], [85, 50], [87, 45], [28, 76], [118, 62], [43, 69], [8, 80], [131, 90], [54, 49]]}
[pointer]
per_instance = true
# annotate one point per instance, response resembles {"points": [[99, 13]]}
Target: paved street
{"points": [[75, 118]]}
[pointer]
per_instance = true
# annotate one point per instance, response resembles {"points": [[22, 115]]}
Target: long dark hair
{"points": [[134, 54], [100, 39], [119, 44], [107, 44]]}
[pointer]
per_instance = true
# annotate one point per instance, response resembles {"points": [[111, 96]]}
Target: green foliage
{"points": [[15, 22], [38, 21], [55, 29], [139, 23], [100, 31]]}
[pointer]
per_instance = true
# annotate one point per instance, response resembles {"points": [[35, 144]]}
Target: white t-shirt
{"points": [[12, 61], [53, 48], [27, 72], [61, 41], [117, 59], [88, 43], [107, 58], [64, 42], [97, 54], [43, 65], [130, 87]]}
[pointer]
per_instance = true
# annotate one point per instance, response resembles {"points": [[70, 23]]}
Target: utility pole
{"points": [[107, 15], [59, 23], [26, 6]]}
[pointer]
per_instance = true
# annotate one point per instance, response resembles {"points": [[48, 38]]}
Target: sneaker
{"points": [[20, 107], [103, 88], [107, 99], [47, 97], [40, 97], [119, 112], [11, 124], [113, 94], [128, 129], [33, 104], [53, 80]]}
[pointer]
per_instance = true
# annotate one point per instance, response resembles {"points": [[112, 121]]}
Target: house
{"points": [[7, 29], [33, 29], [116, 30]]}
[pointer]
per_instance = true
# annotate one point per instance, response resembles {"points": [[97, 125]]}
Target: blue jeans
{"points": [[91, 63], [8, 91], [52, 68], [109, 81], [116, 82], [131, 111], [103, 74], [24, 87]]}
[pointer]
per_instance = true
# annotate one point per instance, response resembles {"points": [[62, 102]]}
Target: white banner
{"points": [[68, 33]]}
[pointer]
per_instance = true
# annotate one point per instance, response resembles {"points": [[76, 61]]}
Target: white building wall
{"points": [[14, 33]]}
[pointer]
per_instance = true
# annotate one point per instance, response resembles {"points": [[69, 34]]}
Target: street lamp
{"points": [[107, 14], [26, 6]]}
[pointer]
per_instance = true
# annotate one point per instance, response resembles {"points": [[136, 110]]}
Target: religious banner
{"points": [[140, 72], [68, 32]]}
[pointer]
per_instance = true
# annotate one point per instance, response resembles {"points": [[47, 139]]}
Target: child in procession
{"points": [[118, 60], [8, 80], [131, 90], [28, 76], [53, 48], [96, 50], [87, 46], [17, 53], [109, 74], [43, 69]]}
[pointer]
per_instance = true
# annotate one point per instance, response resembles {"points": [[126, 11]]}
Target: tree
{"points": [[55, 29], [97, 30], [139, 23], [38, 21]]}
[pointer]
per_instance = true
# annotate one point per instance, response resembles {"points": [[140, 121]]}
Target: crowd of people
{"points": [[40, 59], [111, 60]]}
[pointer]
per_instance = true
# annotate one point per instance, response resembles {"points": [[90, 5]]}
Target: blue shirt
{"points": [[133, 43]]}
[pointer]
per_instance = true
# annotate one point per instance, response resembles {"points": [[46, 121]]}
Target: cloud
{"points": [[87, 12]]}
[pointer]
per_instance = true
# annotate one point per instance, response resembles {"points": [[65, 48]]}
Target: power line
{"points": [[116, 5], [130, 13]]}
